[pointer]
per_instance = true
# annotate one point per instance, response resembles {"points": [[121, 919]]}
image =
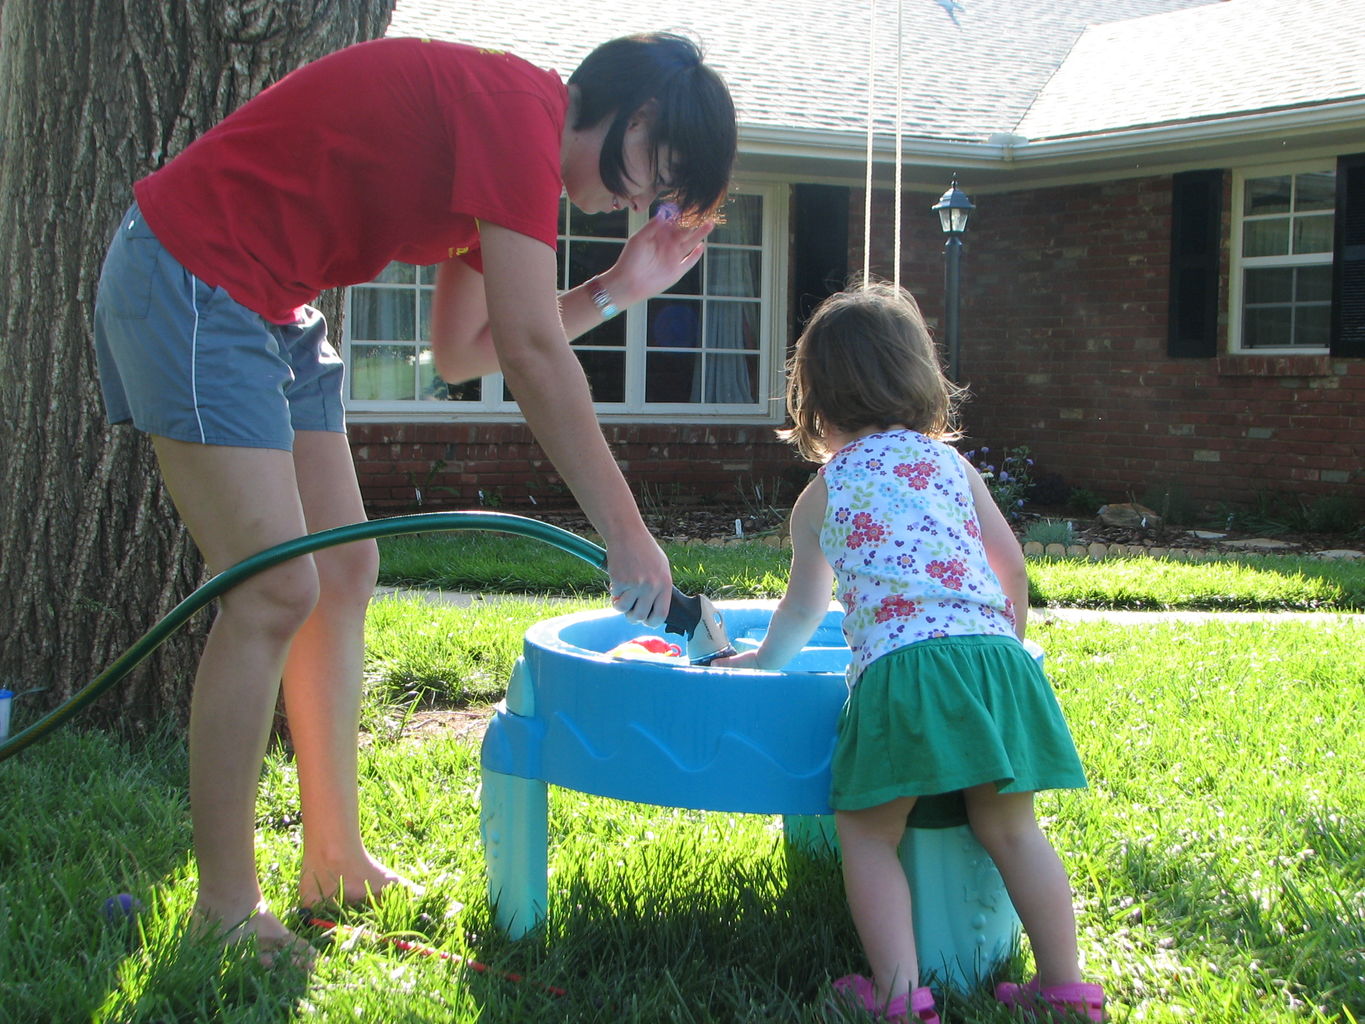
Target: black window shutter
{"points": [[821, 245], [1348, 259], [1196, 240]]}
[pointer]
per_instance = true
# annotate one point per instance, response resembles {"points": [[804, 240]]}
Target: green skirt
{"points": [[940, 716]]}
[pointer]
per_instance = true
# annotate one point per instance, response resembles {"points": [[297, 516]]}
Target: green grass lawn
{"points": [[495, 563], [1218, 855]]}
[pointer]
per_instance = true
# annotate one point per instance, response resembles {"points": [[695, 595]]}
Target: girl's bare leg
{"points": [[879, 894], [1005, 825], [322, 680], [236, 502]]}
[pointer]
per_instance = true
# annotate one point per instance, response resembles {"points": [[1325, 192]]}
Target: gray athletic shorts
{"points": [[182, 359]]}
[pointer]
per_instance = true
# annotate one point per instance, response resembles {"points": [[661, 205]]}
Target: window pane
{"points": [[1274, 284], [733, 271], [466, 391], [1314, 284], [398, 273], [1313, 234], [609, 332], [1315, 191], [671, 377], [731, 378], [1267, 195], [689, 283], [732, 325], [430, 386], [599, 225], [1266, 327], [1266, 237], [675, 324], [606, 375], [587, 259], [382, 372], [424, 304], [743, 222], [383, 314], [1312, 326]]}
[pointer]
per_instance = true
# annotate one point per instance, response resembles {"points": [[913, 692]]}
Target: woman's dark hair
{"points": [[693, 115], [866, 359]]}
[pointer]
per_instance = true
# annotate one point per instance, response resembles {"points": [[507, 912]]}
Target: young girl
{"points": [[416, 150], [943, 696]]}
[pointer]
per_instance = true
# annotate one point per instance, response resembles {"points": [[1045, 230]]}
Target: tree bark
{"points": [[93, 95]]}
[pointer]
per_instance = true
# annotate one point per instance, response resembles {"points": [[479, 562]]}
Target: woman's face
{"points": [[646, 169], [645, 177]]}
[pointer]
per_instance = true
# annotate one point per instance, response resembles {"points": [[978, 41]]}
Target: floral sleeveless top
{"points": [[902, 537]]}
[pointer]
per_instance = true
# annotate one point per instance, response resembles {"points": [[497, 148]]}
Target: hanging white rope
{"points": [[900, 51], [871, 108], [871, 132]]}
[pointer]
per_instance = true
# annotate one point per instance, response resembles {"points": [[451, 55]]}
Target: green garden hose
{"points": [[427, 522]]}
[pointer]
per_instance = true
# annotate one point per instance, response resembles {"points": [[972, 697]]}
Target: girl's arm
{"points": [[652, 259], [1003, 552], [808, 595]]}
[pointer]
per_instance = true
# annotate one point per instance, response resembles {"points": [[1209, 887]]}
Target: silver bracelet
{"points": [[601, 298]]}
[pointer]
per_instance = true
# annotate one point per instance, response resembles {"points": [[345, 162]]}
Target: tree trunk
{"points": [[93, 95]]}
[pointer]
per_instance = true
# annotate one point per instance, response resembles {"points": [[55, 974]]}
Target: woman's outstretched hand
{"points": [[656, 256]]}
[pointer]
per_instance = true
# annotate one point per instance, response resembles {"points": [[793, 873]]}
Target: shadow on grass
{"points": [[665, 940]]}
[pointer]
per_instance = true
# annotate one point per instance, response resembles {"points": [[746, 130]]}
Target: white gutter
{"points": [[1346, 114], [1002, 150]]}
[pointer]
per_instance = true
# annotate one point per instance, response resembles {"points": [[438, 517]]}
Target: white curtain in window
{"points": [[721, 377]]}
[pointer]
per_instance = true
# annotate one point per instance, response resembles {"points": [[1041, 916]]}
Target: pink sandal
{"points": [[920, 1002], [1061, 1001]]}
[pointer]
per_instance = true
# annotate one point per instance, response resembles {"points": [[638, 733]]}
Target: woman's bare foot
{"points": [[274, 942], [354, 883]]}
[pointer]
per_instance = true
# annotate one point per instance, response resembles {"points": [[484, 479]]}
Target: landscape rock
{"points": [[1130, 516]]}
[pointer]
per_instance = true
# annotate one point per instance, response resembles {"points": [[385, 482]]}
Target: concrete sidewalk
{"points": [[1037, 615]]}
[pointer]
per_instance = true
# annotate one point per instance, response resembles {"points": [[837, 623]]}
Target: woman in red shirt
{"points": [[396, 149]]}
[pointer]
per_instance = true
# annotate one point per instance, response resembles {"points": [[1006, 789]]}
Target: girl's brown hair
{"points": [[866, 359]]}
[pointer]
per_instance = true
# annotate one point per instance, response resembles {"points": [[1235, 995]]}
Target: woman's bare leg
{"points": [[322, 680], [236, 502]]}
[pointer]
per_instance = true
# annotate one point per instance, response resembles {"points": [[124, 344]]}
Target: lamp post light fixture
{"points": [[954, 210]]}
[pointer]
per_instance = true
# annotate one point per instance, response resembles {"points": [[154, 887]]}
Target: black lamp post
{"points": [[954, 209]]}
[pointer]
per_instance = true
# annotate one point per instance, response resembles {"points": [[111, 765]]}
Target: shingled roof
{"points": [[998, 85], [1223, 60]]}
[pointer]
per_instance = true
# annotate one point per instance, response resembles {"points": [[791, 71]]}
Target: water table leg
{"points": [[514, 819], [965, 925]]}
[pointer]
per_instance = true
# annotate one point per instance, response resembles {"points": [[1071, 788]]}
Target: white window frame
{"points": [[772, 351], [1239, 264]]}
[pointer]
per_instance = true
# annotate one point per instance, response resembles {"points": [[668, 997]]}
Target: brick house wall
{"points": [[406, 467], [1063, 344]]}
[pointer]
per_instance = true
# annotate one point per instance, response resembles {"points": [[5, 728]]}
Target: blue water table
{"points": [[678, 735]]}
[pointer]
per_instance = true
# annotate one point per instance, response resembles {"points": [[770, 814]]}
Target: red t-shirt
{"points": [[392, 149]]}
